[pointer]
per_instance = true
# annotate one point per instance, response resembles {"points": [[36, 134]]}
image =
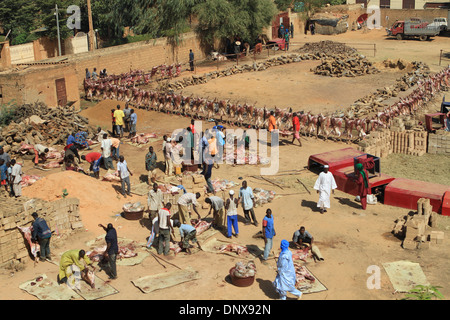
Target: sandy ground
{"points": [[349, 238]]}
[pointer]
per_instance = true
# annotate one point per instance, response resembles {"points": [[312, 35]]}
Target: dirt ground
{"points": [[349, 238]]}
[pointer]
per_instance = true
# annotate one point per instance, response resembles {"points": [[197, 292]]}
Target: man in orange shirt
{"points": [[272, 122]]}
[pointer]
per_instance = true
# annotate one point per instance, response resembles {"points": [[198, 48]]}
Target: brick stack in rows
{"points": [[383, 142]]}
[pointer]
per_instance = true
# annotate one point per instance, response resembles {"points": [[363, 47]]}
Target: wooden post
{"points": [[91, 27], [440, 57]]}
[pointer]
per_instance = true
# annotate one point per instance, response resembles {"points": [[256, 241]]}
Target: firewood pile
{"points": [[345, 66], [39, 124], [374, 102], [328, 48]]}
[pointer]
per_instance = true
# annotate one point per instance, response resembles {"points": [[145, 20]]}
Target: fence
{"points": [[444, 56]]}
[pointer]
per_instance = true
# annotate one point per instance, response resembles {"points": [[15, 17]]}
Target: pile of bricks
{"points": [[62, 217], [439, 142], [383, 142], [410, 142], [377, 143], [417, 230]]}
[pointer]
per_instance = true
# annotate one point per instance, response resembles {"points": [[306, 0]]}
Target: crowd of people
{"points": [[224, 211]]}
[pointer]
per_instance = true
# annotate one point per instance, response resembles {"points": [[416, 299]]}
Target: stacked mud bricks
{"points": [[439, 142], [62, 217], [383, 142], [377, 143], [419, 230]]}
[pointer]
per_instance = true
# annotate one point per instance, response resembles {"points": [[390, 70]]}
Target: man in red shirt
{"points": [[296, 128], [94, 158]]}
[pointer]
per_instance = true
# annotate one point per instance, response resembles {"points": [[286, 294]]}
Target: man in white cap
{"points": [[232, 219], [325, 184]]}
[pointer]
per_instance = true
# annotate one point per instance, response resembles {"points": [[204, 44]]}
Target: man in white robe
{"points": [[325, 185]]}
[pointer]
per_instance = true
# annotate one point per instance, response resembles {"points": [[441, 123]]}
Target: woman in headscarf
{"points": [[363, 182], [286, 277]]}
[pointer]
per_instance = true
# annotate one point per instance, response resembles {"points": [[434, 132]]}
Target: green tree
{"points": [[282, 5], [19, 16], [217, 19]]}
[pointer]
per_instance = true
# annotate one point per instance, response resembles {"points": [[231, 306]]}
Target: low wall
{"points": [[62, 217]]}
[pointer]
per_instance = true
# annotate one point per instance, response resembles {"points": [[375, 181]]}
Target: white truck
{"points": [[441, 23]]}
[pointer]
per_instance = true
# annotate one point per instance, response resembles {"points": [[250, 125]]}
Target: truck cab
{"points": [[397, 29]]}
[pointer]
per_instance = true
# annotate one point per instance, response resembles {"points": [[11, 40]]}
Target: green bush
{"points": [[7, 113], [421, 292]]}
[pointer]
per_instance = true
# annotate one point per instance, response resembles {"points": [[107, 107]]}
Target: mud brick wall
{"points": [[384, 142], [62, 217], [439, 142], [38, 84]]}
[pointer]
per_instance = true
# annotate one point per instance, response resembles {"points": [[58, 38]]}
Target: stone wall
{"points": [[62, 217]]}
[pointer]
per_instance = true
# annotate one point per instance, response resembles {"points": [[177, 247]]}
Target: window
{"points": [[385, 4]]}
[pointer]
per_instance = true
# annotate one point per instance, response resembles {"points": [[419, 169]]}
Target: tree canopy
{"points": [[214, 19]]}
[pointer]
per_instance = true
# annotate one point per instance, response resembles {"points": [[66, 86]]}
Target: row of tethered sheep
{"points": [[123, 88]]}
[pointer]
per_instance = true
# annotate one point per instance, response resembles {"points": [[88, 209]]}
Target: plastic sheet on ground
{"points": [[130, 252], [47, 289], [165, 280], [307, 282], [405, 275]]}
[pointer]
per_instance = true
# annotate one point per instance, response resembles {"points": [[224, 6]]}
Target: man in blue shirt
{"points": [[133, 121], [188, 233], [268, 231], [42, 234], [70, 139], [112, 249]]}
